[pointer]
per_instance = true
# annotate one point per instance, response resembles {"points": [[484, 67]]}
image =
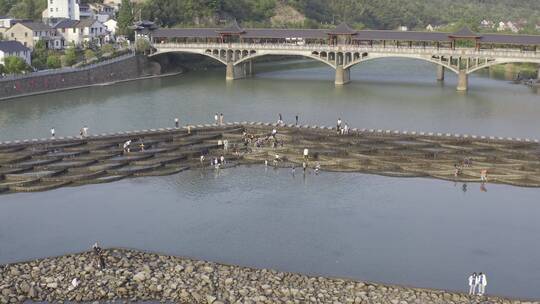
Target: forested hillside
{"points": [[379, 14]]}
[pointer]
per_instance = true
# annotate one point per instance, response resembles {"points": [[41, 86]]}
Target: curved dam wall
{"points": [[121, 70]]}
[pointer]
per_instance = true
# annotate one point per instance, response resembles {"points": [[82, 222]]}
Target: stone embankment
{"points": [[44, 164], [136, 276], [117, 70]]}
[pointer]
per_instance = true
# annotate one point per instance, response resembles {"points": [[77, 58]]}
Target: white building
{"points": [[14, 48], [111, 25], [79, 32], [62, 9]]}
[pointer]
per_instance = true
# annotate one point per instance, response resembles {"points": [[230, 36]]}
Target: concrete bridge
{"points": [[238, 57], [462, 52]]}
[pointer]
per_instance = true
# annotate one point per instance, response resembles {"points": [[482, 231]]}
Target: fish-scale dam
{"points": [[40, 165]]}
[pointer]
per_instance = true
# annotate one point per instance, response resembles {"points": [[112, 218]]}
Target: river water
{"points": [[386, 94], [416, 232]]}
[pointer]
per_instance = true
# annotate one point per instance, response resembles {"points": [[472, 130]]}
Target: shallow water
{"points": [[385, 94], [416, 232]]}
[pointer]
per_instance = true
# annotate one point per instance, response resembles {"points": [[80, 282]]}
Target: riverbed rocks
{"points": [[43, 165], [138, 276]]}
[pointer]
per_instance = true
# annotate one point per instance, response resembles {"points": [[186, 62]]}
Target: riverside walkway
{"points": [[44, 164], [463, 52]]}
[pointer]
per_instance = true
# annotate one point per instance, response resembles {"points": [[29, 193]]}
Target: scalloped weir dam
{"points": [[398, 215]]}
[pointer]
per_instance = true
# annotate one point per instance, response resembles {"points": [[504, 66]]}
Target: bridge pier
{"points": [[463, 81], [239, 71], [343, 76], [440, 73]]}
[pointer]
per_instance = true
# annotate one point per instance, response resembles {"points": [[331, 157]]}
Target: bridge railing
{"points": [[355, 48]]}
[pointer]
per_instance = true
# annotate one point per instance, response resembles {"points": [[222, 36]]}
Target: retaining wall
{"points": [[129, 68]]}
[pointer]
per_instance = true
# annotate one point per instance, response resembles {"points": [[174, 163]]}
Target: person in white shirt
{"points": [[306, 153], [482, 284], [472, 283], [85, 131], [53, 132], [216, 118], [176, 122], [126, 146]]}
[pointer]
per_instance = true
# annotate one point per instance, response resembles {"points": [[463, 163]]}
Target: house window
{"points": [[12, 35], [52, 10], [51, 1], [74, 30], [63, 30], [26, 34]]}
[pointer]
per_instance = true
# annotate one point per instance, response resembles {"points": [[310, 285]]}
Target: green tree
{"points": [[143, 46], [89, 55], [2, 69], [28, 9], [70, 57], [125, 18], [54, 62], [39, 55], [5, 6], [15, 65], [107, 49]]}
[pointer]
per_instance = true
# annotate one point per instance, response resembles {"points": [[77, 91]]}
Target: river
{"points": [[386, 94], [416, 232]]}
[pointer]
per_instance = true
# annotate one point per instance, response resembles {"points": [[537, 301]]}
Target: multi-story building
{"points": [[29, 33], [84, 31], [62, 9]]}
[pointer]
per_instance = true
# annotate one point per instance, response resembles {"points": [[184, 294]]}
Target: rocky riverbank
{"points": [[137, 276]]}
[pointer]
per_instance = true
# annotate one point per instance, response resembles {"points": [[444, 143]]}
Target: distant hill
{"points": [[380, 14]]}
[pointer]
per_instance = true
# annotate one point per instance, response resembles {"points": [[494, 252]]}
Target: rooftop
{"points": [[12, 46], [36, 26], [343, 29]]}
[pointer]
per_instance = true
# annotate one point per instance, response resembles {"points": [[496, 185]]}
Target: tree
{"points": [[107, 49], [54, 62], [28, 9], [89, 55], [15, 65], [70, 57], [39, 55], [143, 46], [2, 69], [125, 18]]}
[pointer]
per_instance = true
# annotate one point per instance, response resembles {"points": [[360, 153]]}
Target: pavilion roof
{"points": [[465, 32], [234, 28], [342, 29]]}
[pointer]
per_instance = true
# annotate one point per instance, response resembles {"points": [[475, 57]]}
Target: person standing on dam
{"points": [[53, 132], [216, 119], [472, 283], [176, 122], [482, 283], [296, 118]]}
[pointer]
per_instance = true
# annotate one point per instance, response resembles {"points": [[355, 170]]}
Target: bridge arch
{"points": [[501, 61], [368, 58], [204, 53], [311, 56]]}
